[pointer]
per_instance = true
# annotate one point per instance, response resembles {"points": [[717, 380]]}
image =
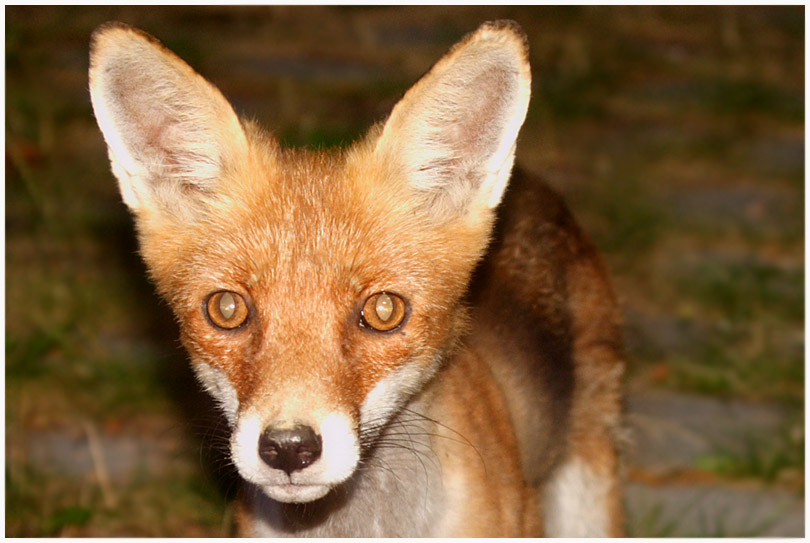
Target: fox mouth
{"points": [[296, 493]]}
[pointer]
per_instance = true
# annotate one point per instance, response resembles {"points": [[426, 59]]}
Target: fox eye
{"points": [[227, 310], [383, 312]]}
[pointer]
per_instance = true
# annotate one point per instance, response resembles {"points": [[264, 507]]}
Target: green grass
{"points": [[41, 504], [746, 291], [575, 96], [319, 138], [751, 346], [751, 361], [657, 522], [629, 222], [748, 96], [779, 458], [654, 523], [719, 526]]}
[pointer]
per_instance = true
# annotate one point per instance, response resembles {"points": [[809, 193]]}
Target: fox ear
{"points": [[453, 134], [169, 132]]}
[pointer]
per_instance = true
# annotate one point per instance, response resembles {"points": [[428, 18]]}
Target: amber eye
{"points": [[226, 309], [383, 312]]}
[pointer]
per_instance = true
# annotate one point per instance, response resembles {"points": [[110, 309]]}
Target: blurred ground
{"points": [[676, 134]]}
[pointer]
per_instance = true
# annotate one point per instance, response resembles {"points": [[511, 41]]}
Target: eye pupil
{"points": [[383, 312], [226, 310], [227, 305], [384, 307]]}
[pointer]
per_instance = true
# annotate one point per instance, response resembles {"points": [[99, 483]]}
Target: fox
{"points": [[405, 337]]}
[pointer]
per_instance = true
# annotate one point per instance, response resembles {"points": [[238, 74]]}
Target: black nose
{"points": [[290, 450]]}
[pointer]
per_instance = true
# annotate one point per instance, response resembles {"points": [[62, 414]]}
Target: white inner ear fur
{"points": [[453, 134], [165, 126]]}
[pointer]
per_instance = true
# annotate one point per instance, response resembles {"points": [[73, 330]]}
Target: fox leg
{"points": [[582, 498]]}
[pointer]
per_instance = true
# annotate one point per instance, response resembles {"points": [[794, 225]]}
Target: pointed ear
{"points": [[452, 136], [169, 132]]}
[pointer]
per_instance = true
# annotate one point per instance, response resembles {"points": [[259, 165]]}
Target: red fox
{"points": [[391, 360]]}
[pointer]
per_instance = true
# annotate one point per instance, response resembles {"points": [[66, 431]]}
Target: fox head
{"points": [[316, 292]]}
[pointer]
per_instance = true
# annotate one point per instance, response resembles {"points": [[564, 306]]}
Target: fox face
{"points": [[317, 292], [310, 326]]}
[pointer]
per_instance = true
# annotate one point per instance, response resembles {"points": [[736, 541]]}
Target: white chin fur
{"points": [[296, 493], [339, 457]]}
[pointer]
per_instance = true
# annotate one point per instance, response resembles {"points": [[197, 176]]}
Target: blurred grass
{"points": [[675, 133], [779, 460], [43, 504]]}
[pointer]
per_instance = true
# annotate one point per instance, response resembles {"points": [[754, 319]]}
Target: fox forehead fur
{"points": [[306, 243]]}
